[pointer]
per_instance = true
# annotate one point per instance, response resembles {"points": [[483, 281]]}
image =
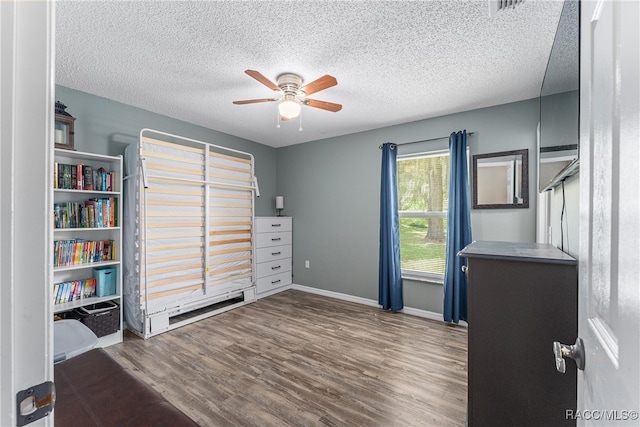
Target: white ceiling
{"points": [[395, 61]]}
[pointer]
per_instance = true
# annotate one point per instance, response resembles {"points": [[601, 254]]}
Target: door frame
{"points": [[27, 51]]}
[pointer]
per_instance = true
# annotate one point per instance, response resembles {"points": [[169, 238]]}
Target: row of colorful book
{"points": [[88, 214], [79, 251], [74, 290], [82, 177]]}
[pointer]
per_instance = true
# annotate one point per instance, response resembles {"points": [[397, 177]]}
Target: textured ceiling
{"points": [[395, 61]]}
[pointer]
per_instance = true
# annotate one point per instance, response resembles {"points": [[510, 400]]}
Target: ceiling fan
{"points": [[292, 95]]}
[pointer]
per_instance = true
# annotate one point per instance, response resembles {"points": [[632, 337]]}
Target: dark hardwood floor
{"points": [[300, 359]]}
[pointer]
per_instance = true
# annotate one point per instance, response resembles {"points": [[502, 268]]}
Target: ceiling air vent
{"points": [[496, 6]]}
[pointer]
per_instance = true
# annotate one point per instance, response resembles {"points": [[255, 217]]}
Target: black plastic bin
{"points": [[102, 318]]}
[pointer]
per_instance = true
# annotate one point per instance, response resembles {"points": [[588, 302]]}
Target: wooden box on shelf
{"points": [[64, 128]]}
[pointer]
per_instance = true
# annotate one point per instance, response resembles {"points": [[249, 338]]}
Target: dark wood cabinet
{"points": [[521, 298]]}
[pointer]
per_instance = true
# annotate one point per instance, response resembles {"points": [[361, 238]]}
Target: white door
{"points": [[26, 113], [609, 297]]}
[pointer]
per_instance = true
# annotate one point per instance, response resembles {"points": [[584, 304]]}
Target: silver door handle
{"points": [[576, 352], [465, 269]]}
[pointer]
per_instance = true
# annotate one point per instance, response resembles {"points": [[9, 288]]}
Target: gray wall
{"points": [[104, 126], [331, 189]]}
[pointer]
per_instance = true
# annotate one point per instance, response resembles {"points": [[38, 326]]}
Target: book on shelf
{"points": [[87, 174], [74, 176], [74, 290], [81, 177], [73, 252], [92, 213]]}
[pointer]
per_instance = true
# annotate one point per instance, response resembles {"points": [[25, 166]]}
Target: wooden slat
{"points": [[182, 267], [156, 190], [220, 232], [230, 251], [231, 177], [172, 157], [183, 257], [172, 214], [172, 203], [156, 166], [228, 260], [172, 246], [215, 271], [175, 224], [229, 168], [157, 295], [230, 214], [230, 205], [170, 235], [247, 196], [229, 242], [178, 147], [232, 158], [229, 279], [186, 277], [174, 181], [222, 185], [228, 223]]}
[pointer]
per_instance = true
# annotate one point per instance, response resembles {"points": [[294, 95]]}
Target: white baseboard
{"points": [[373, 303], [272, 291]]}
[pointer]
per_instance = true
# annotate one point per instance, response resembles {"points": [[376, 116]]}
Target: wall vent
{"points": [[496, 6]]}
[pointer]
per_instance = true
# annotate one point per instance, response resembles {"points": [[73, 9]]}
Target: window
{"points": [[423, 199]]}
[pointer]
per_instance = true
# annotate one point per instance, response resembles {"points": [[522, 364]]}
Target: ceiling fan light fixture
{"points": [[289, 109]]}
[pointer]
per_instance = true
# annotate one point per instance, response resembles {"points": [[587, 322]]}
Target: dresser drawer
{"points": [[268, 283], [264, 240], [273, 267], [273, 224], [272, 253]]}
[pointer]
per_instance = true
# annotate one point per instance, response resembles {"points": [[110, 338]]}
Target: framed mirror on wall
{"points": [[501, 180]]}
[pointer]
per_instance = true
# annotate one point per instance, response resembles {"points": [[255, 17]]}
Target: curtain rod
{"points": [[425, 140]]}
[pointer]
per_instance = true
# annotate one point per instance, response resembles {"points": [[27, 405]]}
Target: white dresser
{"points": [[273, 253]]}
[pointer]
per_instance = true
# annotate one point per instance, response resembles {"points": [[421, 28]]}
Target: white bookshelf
{"points": [[66, 273]]}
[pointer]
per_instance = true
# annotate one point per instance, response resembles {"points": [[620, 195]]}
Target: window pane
{"points": [[423, 184], [423, 191], [422, 244]]}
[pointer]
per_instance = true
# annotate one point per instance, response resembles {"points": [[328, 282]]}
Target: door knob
{"points": [[576, 352]]}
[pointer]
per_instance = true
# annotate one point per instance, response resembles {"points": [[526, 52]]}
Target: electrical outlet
{"points": [[306, 264]]}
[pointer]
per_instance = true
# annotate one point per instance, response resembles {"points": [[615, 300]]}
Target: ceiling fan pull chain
{"points": [[300, 128], [278, 119]]}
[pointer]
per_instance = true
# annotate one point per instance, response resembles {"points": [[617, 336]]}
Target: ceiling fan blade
{"points": [[324, 105], [322, 83], [284, 119], [262, 79], [253, 101]]}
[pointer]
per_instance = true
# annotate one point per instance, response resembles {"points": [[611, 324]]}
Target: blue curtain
{"points": [[389, 277], [458, 230]]}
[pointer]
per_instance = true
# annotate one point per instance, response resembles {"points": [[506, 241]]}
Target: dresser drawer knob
{"points": [[276, 267], [275, 253], [275, 281], [276, 225], [275, 239]]}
